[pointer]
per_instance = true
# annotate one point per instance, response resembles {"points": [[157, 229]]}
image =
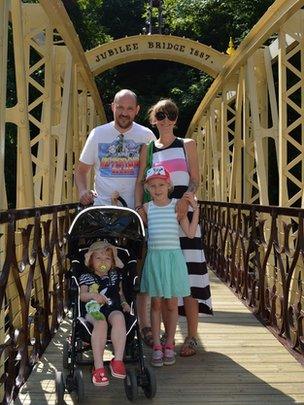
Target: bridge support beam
{"points": [[261, 146], [57, 102]]}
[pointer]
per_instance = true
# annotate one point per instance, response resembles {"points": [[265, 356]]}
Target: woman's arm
{"points": [[192, 162], [139, 185], [193, 169]]}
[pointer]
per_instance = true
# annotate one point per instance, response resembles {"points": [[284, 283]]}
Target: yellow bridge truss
{"points": [[248, 126], [251, 115]]}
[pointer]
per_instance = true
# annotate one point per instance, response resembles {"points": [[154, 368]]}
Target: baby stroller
{"points": [[123, 228]]}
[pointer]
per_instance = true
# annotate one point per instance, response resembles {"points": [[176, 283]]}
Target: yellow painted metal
{"points": [[231, 48], [4, 9], [254, 131], [24, 193], [276, 15], [291, 107], [166, 47], [234, 125], [57, 14], [53, 84]]}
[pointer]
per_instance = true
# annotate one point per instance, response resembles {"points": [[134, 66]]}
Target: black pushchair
{"points": [[123, 228]]}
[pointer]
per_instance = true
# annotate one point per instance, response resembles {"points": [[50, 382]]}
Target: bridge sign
{"points": [[165, 47]]}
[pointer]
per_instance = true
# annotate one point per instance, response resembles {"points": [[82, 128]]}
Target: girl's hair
{"points": [[171, 187], [166, 105]]}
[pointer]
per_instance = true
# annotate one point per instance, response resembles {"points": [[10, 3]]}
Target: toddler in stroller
{"points": [[103, 244], [101, 289]]}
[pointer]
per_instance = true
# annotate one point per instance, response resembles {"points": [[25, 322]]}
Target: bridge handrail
{"points": [[33, 289], [257, 250]]}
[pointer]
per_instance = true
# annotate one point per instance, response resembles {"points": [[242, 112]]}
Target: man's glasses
{"points": [[160, 116]]}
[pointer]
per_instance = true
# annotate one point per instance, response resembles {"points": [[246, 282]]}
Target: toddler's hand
{"points": [[101, 299], [126, 307]]}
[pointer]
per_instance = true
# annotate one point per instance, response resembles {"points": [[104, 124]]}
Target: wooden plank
{"points": [[237, 364]]}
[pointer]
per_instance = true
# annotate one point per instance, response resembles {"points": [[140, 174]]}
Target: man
{"points": [[113, 149]]}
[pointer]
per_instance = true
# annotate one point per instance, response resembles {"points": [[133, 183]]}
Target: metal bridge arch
{"points": [[246, 118], [165, 47]]}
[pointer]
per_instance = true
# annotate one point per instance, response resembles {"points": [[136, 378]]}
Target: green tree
{"points": [[211, 22]]}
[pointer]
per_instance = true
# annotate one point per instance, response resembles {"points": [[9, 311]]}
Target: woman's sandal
{"points": [[189, 347], [147, 337]]}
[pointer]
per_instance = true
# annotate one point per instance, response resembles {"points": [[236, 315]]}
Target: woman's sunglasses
{"points": [[160, 116]]}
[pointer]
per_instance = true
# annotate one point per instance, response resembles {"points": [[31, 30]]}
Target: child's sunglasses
{"points": [[160, 116]]}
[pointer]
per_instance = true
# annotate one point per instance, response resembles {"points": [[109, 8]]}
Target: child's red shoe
{"points": [[118, 369], [99, 377]]}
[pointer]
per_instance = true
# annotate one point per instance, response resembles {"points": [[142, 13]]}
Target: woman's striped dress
{"points": [[173, 158]]}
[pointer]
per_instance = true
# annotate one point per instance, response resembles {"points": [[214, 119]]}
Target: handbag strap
{"points": [[149, 159]]}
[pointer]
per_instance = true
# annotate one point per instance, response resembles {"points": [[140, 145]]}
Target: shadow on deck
{"points": [[239, 362]]}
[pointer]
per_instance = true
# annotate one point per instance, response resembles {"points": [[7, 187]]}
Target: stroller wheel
{"points": [[149, 387], [65, 354], [131, 385], [78, 381], [132, 352], [59, 385]]}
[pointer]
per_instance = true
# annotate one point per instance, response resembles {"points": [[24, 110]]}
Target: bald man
{"points": [[113, 150]]}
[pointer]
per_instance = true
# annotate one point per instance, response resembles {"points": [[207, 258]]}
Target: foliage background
{"points": [[211, 22]]}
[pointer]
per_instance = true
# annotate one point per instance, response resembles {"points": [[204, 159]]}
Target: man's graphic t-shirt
{"points": [[116, 160]]}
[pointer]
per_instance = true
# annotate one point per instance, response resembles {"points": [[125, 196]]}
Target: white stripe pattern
{"points": [[163, 227], [194, 256], [171, 154]]}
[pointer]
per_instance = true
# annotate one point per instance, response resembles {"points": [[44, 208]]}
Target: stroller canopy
{"points": [[103, 222]]}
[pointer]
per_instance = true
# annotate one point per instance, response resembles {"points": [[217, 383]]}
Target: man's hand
{"points": [[87, 197], [182, 208]]}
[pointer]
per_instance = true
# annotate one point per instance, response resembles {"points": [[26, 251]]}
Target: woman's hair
{"points": [[166, 105]]}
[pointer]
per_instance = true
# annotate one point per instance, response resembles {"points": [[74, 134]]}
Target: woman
{"points": [[179, 157]]}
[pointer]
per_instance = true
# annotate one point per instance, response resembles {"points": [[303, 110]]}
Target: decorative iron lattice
{"points": [[33, 291], [258, 251]]}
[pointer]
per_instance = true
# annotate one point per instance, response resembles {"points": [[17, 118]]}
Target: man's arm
{"points": [[85, 196], [139, 185]]}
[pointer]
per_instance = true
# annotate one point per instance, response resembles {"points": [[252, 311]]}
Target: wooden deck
{"points": [[239, 362]]}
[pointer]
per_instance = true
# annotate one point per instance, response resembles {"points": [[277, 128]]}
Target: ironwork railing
{"points": [[32, 288], [258, 251]]}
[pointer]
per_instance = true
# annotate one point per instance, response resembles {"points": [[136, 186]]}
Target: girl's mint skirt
{"points": [[165, 274]]}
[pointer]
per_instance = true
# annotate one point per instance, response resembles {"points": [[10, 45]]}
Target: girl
{"points": [[165, 272], [103, 285]]}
